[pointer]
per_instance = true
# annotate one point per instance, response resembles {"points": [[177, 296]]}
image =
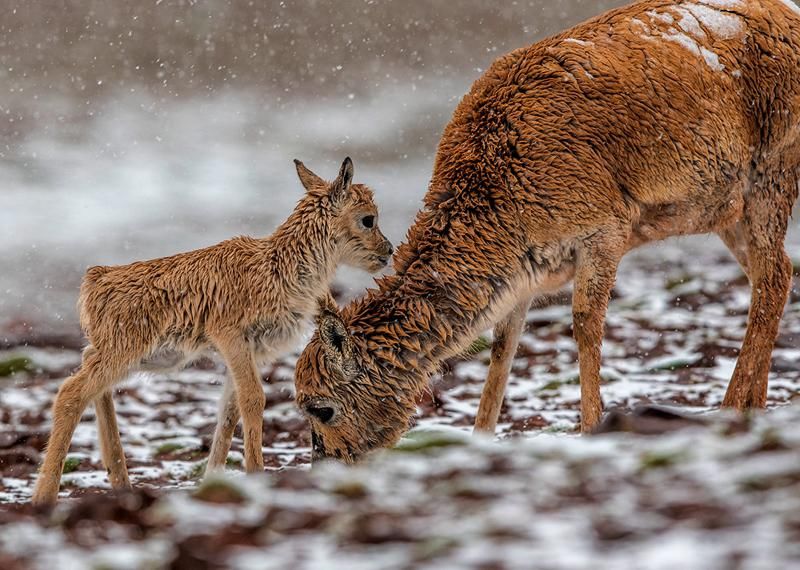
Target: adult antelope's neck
{"points": [[450, 284]]}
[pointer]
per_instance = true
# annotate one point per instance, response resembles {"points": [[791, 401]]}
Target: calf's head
{"points": [[353, 217]]}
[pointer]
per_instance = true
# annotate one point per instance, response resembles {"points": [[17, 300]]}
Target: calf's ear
{"points": [[308, 179], [340, 189]]}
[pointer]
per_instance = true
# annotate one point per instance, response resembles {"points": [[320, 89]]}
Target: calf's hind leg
{"points": [[227, 419], [93, 378], [769, 269], [110, 443]]}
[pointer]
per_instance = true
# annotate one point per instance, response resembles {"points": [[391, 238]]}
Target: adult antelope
{"points": [[657, 119]]}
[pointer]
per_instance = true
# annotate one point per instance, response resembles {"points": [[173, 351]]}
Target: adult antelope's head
{"points": [[352, 405]]}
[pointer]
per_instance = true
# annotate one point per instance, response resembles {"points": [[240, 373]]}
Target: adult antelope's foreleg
{"points": [[249, 396], [596, 267], [770, 273], [227, 419], [504, 346]]}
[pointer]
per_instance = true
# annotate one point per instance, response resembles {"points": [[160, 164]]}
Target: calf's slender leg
{"points": [[249, 395], [227, 419], [110, 443], [95, 376]]}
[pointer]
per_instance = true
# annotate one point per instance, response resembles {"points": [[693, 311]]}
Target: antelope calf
{"points": [[248, 298], [657, 119]]}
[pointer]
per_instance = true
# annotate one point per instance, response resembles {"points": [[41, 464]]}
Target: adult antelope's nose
{"points": [[317, 448]]}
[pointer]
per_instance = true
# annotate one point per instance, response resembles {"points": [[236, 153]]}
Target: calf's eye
{"points": [[368, 221]]}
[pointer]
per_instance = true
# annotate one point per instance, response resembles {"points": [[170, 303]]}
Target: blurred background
{"points": [[137, 129]]}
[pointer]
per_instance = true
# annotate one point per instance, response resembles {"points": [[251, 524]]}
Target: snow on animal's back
{"points": [[685, 88], [685, 50], [710, 30], [792, 6]]}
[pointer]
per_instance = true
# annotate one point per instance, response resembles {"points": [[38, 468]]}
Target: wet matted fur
{"points": [[248, 298], [657, 119]]}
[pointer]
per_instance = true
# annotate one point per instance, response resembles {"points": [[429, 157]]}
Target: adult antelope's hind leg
{"points": [[110, 443], [504, 346], [76, 392], [733, 237], [770, 272], [227, 419], [250, 397], [596, 269]]}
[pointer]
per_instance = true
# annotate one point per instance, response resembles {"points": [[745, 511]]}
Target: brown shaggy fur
{"points": [[248, 298], [657, 119]]}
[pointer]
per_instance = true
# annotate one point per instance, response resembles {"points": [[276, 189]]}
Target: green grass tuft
{"points": [[71, 464], [166, 448], [556, 384], [478, 345], [233, 462], [220, 491], [660, 460], [198, 469], [426, 439], [15, 364]]}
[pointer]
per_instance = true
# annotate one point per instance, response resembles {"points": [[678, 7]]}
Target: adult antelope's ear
{"points": [[308, 179], [341, 186], [333, 332]]}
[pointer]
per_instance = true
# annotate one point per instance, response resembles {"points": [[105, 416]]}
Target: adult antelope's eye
{"points": [[368, 221], [322, 413]]}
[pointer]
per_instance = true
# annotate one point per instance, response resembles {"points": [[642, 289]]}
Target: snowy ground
{"points": [[704, 499], [711, 497]]}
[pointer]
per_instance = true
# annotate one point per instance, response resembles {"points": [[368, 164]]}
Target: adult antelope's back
{"points": [[657, 119]]}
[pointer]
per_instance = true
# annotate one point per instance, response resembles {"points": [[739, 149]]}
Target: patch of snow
{"points": [[472, 369], [724, 4], [722, 25], [689, 24], [24, 538], [663, 17], [682, 40], [582, 43], [20, 399], [47, 359], [724, 368], [643, 28], [688, 36], [711, 59], [792, 6], [86, 479]]}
